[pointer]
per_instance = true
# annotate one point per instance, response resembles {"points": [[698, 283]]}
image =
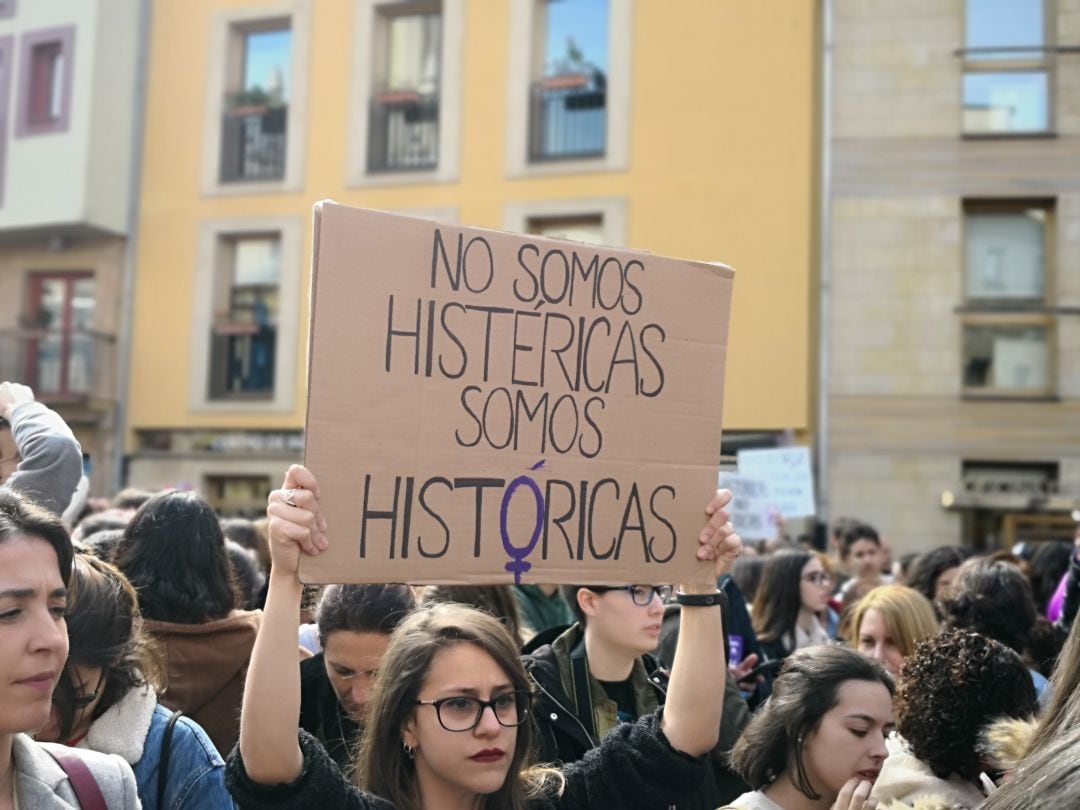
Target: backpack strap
{"points": [[87, 791], [163, 763]]}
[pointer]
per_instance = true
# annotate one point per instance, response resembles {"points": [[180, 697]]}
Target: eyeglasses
{"points": [[818, 578], [641, 594], [460, 713]]}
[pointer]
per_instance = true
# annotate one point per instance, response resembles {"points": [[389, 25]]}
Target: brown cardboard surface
{"points": [[475, 417]]}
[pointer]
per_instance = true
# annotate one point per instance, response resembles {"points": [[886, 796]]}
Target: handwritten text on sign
{"points": [[521, 372]]}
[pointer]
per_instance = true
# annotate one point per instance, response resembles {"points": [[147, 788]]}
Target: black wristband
{"points": [[699, 599]]}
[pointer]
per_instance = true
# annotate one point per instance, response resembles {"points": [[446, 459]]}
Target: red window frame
{"points": [[37, 283]]}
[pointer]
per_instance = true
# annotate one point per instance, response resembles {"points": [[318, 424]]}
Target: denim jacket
{"points": [[134, 728]]}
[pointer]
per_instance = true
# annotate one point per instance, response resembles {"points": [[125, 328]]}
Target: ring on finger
{"points": [[289, 493]]}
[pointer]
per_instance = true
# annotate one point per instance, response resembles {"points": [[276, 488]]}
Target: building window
{"points": [[568, 93], [255, 121], [243, 344], [1006, 73], [45, 81], [1008, 332], [63, 353], [404, 115], [586, 229]]}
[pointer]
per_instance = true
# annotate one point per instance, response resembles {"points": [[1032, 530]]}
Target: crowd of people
{"points": [[155, 655]]}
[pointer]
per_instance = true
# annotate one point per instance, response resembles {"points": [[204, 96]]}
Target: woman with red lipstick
{"points": [[35, 569], [447, 725], [819, 741]]}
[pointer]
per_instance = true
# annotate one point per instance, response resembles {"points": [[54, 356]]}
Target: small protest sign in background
{"points": [[489, 408], [751, 510], [788, 476]]}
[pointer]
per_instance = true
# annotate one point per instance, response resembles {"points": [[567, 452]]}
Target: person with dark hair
{"points": [[605, 670], [131, 499], [993, 598], [246, 533], [106, 700], [498, 600], [1049, 564], [948, 692], [747, 575], [39, 455], [934, 572], [249, 579], [821, 733], [173, 553], [354, 623], [791, 598], [105, 521], [104, 544], [35, 572], [861, 555], [449, 722]]}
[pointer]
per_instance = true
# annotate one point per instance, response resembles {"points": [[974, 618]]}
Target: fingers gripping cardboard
{"points": [[485, 407]]}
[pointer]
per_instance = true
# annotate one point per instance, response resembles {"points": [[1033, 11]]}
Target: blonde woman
{"points": [[889, 622]]}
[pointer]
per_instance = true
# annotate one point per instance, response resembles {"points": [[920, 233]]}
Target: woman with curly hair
{"points": [[106, 699], [819, 741], [949, 691]]}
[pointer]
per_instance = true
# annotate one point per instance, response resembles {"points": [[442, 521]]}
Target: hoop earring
{"points": [[410, 752]]}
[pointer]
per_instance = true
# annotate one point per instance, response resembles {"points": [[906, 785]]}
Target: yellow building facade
{"points": [[685, 131]]}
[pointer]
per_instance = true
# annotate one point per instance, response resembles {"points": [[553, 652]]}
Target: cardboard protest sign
{"points": [[786, 471], [751, 509], [489, 408]]}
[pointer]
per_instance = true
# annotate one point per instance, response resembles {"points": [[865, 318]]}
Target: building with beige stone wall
{"points": [[953, 403]]}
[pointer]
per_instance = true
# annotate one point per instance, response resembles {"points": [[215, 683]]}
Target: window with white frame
{"points": [[1006, 72], [568, 93], [254, 134], [404, 109], [244, 340], [1008, 329]]}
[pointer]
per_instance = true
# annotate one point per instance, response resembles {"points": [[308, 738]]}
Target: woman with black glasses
{"points": [[790, 601], [446, 725]]}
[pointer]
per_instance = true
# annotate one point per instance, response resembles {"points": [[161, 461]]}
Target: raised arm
{"points": [[270, 719], [695, 697]]}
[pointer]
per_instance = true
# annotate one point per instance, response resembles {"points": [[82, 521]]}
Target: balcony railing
{"points": [[253, 141], [404, 134], [60, 365], [242, 360], [568, 117]]}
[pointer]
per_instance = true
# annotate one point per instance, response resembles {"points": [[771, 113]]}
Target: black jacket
{"points": [[323, 716], [563, 738], [634, 769]]}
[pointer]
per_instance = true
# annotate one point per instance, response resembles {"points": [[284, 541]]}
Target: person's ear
{"points": [[588, 601], [408, 732]]}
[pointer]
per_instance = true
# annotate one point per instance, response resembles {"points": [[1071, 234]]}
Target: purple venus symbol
{"points": [[518, 565]]}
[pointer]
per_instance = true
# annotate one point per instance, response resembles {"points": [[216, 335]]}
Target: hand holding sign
{"points": [[718, 539], [296, 524]]}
